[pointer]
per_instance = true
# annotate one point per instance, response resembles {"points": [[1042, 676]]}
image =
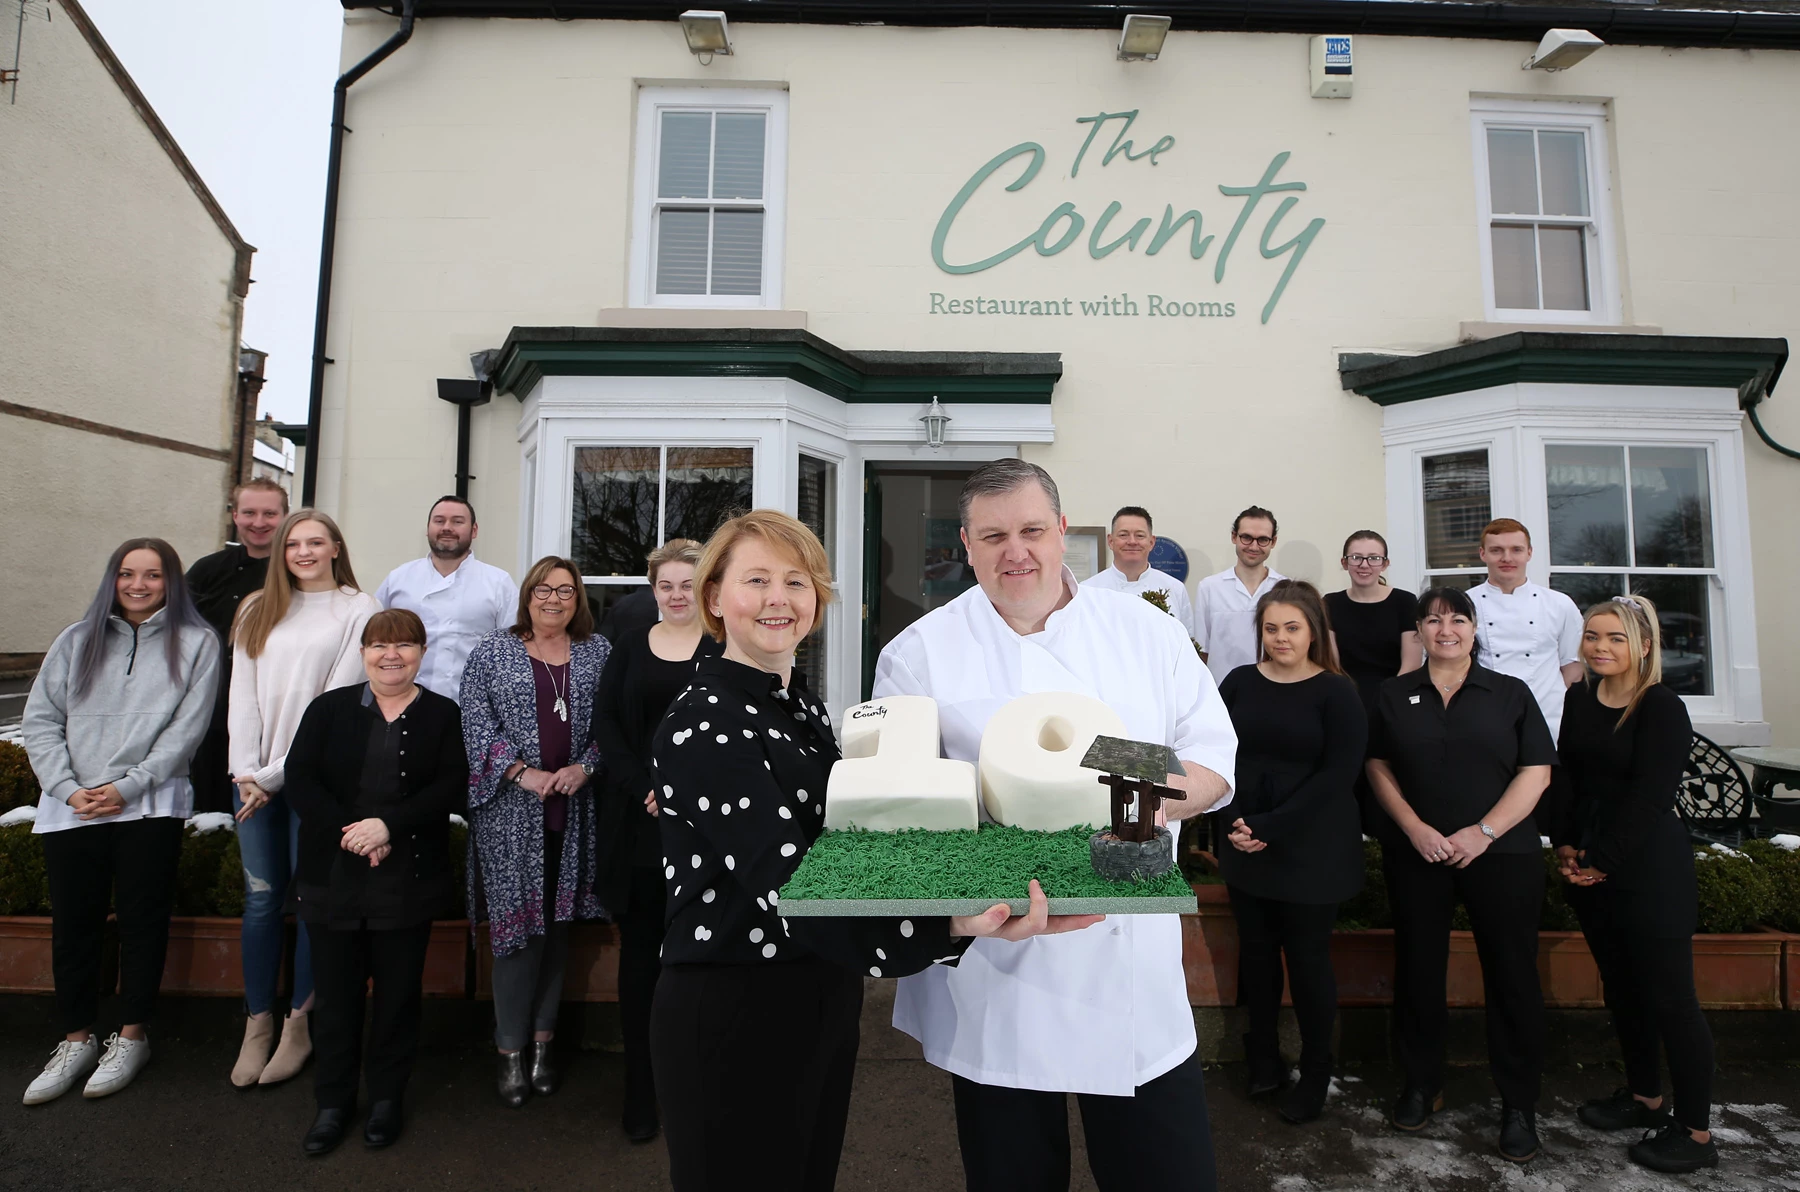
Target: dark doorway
{"points": [[913, 557]]}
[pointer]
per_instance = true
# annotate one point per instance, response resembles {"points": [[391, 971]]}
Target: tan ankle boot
{"points": [[293, 1051], [253, 1056]]}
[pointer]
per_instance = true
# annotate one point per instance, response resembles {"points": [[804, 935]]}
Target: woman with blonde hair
{"points": [[649, 666], [1630, 868], [527, 711], [299, 637]]}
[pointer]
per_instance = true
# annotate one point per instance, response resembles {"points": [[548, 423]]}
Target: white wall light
{"points": [[1561, 49], [706, 33], [1142, 38], [936, 423]]}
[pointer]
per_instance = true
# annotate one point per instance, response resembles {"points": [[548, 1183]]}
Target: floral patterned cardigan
{"points": [[506, 821]]}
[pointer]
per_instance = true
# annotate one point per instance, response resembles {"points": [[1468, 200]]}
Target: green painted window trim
{"points": [[1749, 366], [1008, 378]]}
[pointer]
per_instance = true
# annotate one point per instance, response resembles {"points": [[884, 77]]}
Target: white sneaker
{"points": [[123, 1060], [69, 1063]]}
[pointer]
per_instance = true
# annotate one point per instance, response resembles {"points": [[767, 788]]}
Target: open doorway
{"points": [[913, 556]]}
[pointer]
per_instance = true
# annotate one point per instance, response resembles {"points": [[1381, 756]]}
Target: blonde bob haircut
{"points": [[675, 550], [783, 534], [1638, 616]]}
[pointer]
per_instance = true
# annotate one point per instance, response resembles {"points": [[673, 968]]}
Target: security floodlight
{"points": [[1142, 38], [1561, 49], [706, 31]]}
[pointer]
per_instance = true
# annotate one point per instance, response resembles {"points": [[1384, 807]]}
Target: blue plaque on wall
{"points": [[1168, 558]]}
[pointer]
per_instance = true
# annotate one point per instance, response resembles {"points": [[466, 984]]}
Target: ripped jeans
{"points": [[269, 845]]}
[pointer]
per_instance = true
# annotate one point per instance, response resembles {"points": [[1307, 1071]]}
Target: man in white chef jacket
{"points": [[1131, 539], [1101, 1012], [459, 598], [1525, 630]]}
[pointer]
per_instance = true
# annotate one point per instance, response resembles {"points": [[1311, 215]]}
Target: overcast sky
{"points": [[245, 87]]}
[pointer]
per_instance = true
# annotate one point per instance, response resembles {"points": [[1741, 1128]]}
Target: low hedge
{"points": [[18, 785]]}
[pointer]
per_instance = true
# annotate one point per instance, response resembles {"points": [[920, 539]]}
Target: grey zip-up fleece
{"points": [[135, 727]]}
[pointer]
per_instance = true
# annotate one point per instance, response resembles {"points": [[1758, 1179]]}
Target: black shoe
{"points": [[543, 1068], [1518, 1135], [1621, 1111], [327, 1131], [640, 1125], [1306, 1100], [1414, 1108], [1673, 1150], [1267, 1073], [514, 1088], [383, 1127]]}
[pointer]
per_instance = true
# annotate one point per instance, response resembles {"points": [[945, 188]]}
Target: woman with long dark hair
{"points": [[1630, 868], [1296, 849], [296, 639], [120, 703], [527, 712], [1459, 756]]}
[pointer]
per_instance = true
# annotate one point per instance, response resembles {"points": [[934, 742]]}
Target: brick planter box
{"points": [[206, 956], [593, 972], [25, 954]]}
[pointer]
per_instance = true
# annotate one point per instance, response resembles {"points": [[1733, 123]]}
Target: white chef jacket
{"points": [[1104, 1009], [1529, 635], [1225, 620], [1114, 580], [458, 609]]}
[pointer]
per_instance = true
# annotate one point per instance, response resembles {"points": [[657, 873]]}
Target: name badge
{"points": [[1412, 699]]}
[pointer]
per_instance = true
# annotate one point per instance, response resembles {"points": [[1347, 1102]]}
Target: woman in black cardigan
{"points": [[374, 772], [1630, 869], [648, 667], [1296, 843]]}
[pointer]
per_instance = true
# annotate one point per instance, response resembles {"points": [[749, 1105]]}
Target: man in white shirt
{"points": [[1225, 604], [1101, 1012], [1131, 540], [459, 598], [1525, 630]]}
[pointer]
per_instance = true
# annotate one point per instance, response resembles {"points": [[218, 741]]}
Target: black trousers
{"points": [[1268, 928], [1017, 1140], [344, 964], [90, 868], [753, 1073], [1649, 985], [1504, 893], [209, 770], [640, 964]]}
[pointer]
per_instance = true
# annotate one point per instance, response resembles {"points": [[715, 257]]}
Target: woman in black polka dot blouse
{"points": [[753, 1035]]}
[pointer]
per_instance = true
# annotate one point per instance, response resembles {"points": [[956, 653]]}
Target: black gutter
{"points": [[1778, 27], [1750, 409], [315, 401]]}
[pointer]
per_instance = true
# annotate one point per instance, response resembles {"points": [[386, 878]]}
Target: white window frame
{"points": [[1515, 423], [652, 102], [1602, 258]]}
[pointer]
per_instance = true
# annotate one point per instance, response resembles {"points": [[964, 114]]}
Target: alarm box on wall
{"points": [[1332, 68]]}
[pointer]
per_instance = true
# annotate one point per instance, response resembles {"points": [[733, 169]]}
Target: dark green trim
{"points": [[1750, 366], [533, 353], [293, 432]]}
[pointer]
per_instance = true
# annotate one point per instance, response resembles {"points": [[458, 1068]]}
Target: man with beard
{"points": [[218, 582], [459, 598]]}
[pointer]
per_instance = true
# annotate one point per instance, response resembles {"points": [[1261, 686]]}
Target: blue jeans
{"points": [[269, 845]]}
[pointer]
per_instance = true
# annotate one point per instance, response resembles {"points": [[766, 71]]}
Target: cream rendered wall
{"points": [[117, 307], [489, 185]]}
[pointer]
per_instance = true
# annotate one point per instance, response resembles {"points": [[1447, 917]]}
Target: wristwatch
{"points": [[587, 769], [1487, 831]]}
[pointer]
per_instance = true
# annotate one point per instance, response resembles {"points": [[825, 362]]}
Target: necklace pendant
{"points": [[561, 708]]}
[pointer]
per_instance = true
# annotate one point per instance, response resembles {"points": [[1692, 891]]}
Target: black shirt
{"points": [[743, 764], [1300, 747], [220, 581], [1617, 785], [1453, 763], [1368, 636]]}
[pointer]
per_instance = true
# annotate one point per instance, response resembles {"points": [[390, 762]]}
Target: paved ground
{"points": [[183, 1127]]}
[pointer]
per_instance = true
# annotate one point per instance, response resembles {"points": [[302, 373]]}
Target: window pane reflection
{"points": [[1588, 590], [1564, 158], [1586, 490], [1512, 172], [1456, 507], [1564, 268], [1515, 267], [817, 506], [1686, 633], [614, 521], [1671, 507], [706, 485]]}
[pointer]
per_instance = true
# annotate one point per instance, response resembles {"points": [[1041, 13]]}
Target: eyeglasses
{"points": [[1369, 560], [1246, 540], [545, 591]]}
